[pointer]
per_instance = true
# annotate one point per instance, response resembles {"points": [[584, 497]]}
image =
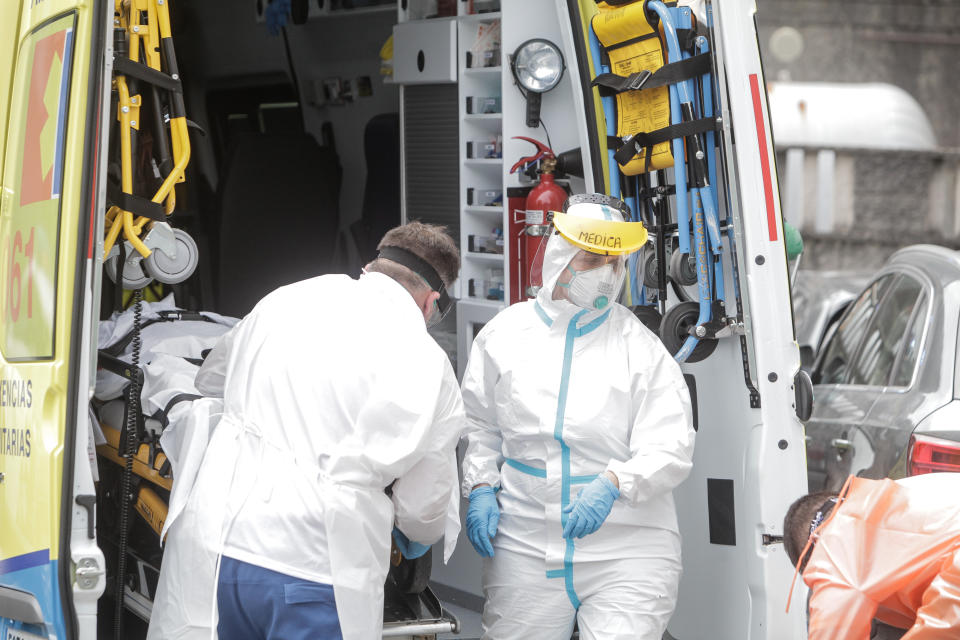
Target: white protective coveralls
{"points": [[333, 389], [554, 395]]}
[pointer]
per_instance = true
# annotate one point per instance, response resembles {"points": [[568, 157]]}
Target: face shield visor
{"points": [[592, 281], [423, 269], [591, 271]]}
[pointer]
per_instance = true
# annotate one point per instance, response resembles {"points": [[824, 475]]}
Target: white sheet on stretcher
{"points": [[182, 338]]}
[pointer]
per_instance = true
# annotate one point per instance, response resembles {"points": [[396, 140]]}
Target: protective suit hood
{"points": [[557, 255]]}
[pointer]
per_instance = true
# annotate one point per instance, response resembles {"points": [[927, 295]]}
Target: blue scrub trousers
{"points": [[259, 604]]}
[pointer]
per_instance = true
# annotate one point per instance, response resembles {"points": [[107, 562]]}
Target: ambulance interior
{"points": [[295, 172], [302, 156], [277, 188]]}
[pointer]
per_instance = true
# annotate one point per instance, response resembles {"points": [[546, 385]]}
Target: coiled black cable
{"points": [[128, 449]]}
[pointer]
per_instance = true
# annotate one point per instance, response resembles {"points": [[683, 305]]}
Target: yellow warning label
{"points": [[644, 111]]}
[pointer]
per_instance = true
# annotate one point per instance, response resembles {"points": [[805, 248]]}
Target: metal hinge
{"points": [[731, 328], [88, 573]]}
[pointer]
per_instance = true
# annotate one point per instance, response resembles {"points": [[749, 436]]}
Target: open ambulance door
{"points": [[749, 463], [51, 105]]}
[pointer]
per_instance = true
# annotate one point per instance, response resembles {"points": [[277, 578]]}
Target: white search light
{"points": [[538, 67]]}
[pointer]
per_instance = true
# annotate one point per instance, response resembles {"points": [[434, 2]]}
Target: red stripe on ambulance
{"points": [[764, 156]]}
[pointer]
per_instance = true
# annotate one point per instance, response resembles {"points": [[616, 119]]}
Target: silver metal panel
{"points": [[20, 605]]}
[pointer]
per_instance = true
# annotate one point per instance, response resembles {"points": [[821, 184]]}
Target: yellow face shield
{"points": [[606, 237]]}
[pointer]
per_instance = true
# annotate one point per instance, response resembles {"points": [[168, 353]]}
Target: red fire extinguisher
{"points": [[545, 197]]}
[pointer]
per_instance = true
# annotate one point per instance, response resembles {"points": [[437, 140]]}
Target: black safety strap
{"points": [[626, 149], [109, 361], [124, 66], [420, 266], [611, 84], [161, 415], [171, 315], [627, 43], [167, 315], [687, 38], [136, 205]]}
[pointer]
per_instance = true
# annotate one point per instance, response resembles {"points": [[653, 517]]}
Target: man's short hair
{"points": [[429, 241], [796, 524]]}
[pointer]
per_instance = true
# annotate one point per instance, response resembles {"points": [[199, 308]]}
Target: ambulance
{"points": [[165, 163]]}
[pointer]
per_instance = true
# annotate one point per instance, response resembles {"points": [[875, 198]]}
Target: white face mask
{"points": [[594, 288]]}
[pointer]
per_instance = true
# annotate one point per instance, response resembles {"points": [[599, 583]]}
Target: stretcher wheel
{"points": [[174, 269], [675, 329], [651, 271], [133, 274], [683, 269], [412, 576], [649, 316]]}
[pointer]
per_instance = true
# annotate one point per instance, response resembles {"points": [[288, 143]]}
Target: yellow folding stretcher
{"points": [[144, 55]]}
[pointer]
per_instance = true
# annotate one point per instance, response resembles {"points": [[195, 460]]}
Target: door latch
{"points": [[88, 573]]}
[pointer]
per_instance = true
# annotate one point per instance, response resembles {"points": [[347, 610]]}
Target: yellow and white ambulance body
{"points": [[58, 105]]}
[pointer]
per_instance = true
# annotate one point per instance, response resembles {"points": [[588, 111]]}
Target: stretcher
{"points": [[656, 86], [145, 61], [165, 427]]}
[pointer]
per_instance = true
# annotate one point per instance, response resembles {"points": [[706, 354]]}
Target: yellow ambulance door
{"points": [[9, 26], [47, 201]]}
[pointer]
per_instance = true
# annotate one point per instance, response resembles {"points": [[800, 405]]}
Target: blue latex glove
{"points": [[407, 547], [277, 12], [483, 516], [591, 508]]}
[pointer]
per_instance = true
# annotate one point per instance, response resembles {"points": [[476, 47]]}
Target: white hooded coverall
{"points": [[333, 389], [555, 395]]}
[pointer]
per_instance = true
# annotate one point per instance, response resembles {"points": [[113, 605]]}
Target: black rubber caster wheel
{"points": [[412, 576], [649, 316], [683, 269], [675, 329], [651, 270]]}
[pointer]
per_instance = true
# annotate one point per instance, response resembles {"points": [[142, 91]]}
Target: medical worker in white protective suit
{"points": [[333, 390], [579, 427]]}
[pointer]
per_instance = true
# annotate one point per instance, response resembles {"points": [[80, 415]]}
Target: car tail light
{"points": [[929, 455]]}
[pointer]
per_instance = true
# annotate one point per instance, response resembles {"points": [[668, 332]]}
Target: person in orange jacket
{"points": [[880, 549]]}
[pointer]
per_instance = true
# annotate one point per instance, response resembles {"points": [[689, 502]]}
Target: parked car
{"points": [[886, 395], [819, 300]]}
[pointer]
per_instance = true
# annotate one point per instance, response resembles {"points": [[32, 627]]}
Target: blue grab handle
{"points": [[681, 93]]}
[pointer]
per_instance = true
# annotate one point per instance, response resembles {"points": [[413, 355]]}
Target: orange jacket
{"points": [[891, 551]]}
